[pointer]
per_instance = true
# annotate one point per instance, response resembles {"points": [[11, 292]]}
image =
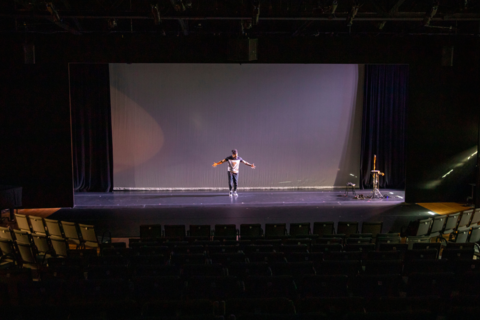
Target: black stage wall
{"points": [[35, 138], [443, 102]]}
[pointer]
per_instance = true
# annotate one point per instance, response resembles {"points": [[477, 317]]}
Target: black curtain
{"points": [[383, 131], [91, 127]]}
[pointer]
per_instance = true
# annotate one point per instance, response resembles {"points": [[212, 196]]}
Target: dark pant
{"points": [[233, 180]]}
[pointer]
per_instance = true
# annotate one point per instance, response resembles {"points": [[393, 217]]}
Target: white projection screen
{"points": [[300, 124]]}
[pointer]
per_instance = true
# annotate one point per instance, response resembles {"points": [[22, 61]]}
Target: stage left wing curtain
{"points": [[91, 127]]}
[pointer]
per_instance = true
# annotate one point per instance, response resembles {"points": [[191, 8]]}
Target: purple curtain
{"points": [[383, 124]]}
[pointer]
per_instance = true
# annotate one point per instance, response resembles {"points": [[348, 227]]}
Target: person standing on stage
{"points": [[233, 168]]}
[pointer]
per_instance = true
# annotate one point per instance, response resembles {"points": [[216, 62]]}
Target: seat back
{"points": [[7, 247], [347, 227], [422, 254], [451, 223], [275, 230], [351, 240], [365, 247], [22, 236], [465, 218], [266, 257], [438, 224], [71, 231], [202, 308], [412, 241], [293, 248], [249, 307], [461, 236], [89, 235], [388, 239], [270, 287], [152, 231], [426, 246], [200, 231], [251, 231], [324, 286], [60, 246], [160, 287], [423, 227], [426, 266], [475, 217], [53, 227], [26, 253], [458, 254], [376, 285], [393, 247], [183, 259], [22, 222], [343, 255], [372, 227], [214, 287], [175, 231], [225, 231], [384, 255], [475, 234], [41, 243], [188, 249], [326, 247], [38, 225], [324, 228], [459, 246], [299, 229], [6, 233], [430, 284]]}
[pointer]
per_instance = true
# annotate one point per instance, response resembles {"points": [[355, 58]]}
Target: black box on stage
{"points": [[242, 49]]}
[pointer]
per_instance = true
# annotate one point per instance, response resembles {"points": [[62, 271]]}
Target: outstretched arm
{"points": [[249, 164], [217, 163]]}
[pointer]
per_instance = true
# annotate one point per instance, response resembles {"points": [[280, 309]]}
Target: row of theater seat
{"points": [[421, 308], [37, 236], [80, 234], [144, 288], [458, 226], [96, 269], [249, 231], [33, 254]]}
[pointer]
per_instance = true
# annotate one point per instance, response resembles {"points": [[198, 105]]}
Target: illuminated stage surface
{"points": [[122, 212]]}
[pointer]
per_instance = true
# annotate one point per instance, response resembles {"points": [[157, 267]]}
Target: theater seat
{"points": [[323, 286], [270, 287]]}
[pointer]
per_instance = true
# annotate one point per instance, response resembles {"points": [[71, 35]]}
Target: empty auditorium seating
{"points": [[293, 275]]}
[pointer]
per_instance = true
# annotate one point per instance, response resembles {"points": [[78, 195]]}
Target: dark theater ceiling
{"points": [[286, 18]]}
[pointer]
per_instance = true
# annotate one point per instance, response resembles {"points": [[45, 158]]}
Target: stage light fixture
{"points": [[156, 15], [53, 12], [431, 13], [255, 12], [112, 23], [178, 5], [245, 25], [352, 14], [334, 8]]}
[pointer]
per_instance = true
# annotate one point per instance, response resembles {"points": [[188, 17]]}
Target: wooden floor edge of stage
{"points": [[40, 212], [444, 207]]}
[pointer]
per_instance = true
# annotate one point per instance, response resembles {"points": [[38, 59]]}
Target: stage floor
{"points": [[122, 212], [148, 199]]}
